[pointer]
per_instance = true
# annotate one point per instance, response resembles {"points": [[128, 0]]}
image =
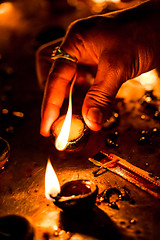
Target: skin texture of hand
{"points": [[121, 45]]}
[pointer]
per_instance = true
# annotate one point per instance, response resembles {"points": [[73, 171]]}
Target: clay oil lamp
{"points": [[73, 197], [69, 132]]}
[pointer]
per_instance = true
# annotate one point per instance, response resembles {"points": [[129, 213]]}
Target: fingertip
{"points": [[44, 133], [93, 126], [45, 129], [50, 114], [94, 119]]}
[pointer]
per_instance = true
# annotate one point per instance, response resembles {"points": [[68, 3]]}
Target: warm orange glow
{"points": [[102, 1], [62, 139], [6, 7], [10, 16], [115, 1], [148, 79], [52, 186], [99, 1], [98, 5]]}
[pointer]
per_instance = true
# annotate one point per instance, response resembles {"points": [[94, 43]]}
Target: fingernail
{"points": [[95, 115]]}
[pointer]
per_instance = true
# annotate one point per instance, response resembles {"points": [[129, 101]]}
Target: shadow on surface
{"points": [[94, 224]]}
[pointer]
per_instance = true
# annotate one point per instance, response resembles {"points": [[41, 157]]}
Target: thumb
{"points": [[97, 103]]}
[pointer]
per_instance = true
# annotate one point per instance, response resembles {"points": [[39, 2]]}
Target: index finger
{"points": [[60, 75]]}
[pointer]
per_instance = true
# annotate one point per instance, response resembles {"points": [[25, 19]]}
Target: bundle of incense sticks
{"points": [[128, 171]]}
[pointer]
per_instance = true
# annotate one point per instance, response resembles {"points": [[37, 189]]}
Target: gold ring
{"points": [[59, 53]]}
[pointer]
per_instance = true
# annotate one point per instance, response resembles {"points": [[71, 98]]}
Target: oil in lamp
{"points": [[73, 197], [78, 133], [69, 132]]}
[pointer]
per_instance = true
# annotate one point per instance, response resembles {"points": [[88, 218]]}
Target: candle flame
{"points": [[62, 139], [52, 186]]}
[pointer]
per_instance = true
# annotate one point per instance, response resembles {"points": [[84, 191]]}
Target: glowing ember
{"points": [[52, 186], [62, 139]]}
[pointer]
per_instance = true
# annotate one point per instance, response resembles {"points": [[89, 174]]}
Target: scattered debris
{"points": [[112, 195], [133, 221], [111, 139], [112, 121]]}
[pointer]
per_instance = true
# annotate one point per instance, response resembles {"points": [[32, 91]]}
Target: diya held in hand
{"points": [[69, 132]]}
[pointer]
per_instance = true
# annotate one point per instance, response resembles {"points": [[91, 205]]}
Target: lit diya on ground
{"points": [[74, 197], [69, 131]]}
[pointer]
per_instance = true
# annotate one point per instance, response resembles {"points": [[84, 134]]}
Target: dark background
{"points": [[24, 27]]}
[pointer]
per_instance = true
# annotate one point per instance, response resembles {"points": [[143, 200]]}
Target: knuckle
{"points": [[99, 97]]}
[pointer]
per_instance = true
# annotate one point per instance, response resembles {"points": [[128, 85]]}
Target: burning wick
{"points": [[69, 130], [52, 186]]}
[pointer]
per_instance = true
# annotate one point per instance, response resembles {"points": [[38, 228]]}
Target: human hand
{"points": [[121, 45]]}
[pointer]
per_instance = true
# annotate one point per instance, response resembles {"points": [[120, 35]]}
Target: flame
{"points": [[52, 186], [62, 139]]}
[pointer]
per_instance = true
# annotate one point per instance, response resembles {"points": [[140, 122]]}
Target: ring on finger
{"points": [[59, 53]]}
